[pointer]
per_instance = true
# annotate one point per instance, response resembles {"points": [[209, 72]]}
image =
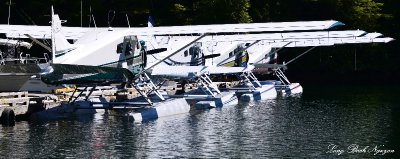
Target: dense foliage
{"points": [[369, 15]]}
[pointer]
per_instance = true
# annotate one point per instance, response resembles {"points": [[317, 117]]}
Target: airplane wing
{"points": [[275, 36], [331, 41], [238, 28], [40, 32], [44, 32]]}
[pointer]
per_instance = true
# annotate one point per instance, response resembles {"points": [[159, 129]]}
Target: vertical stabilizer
{"points": [[150, 24], [53, 46], [60, 44]]}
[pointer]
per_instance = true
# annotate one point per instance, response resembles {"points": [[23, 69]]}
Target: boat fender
{"points": [[7, 117]]}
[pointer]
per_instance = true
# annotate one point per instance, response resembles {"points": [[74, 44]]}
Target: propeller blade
{"points": [[211, 56], [156, 51]]}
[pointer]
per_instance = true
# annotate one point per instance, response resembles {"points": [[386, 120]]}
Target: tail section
{"points": [[150, 22], [153, 42], [60, 44], [152, 38]]}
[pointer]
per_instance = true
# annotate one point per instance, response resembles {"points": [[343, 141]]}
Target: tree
{"points": [[260, 10], [221, 11], [365, 13]]}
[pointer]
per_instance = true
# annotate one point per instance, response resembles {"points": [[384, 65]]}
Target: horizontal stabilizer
{"points": [[211, 56], [81, 74]]}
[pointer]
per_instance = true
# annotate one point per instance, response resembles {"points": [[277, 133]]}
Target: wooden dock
{"points": [[11, 105], [15, 104]]}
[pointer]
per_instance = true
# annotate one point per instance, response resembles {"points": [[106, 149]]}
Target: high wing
{"points": [[368, 38], [44, 32], [274, 36], [238, 28], [39, 32]]}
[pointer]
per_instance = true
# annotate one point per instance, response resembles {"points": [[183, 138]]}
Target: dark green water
{"points": [[317, 125]]}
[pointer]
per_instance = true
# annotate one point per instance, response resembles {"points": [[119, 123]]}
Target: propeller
{"points": [[211, 56], [156, 51]]}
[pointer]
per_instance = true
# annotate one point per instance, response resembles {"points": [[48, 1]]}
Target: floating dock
{"points": [[15, 105], [89, 100]]}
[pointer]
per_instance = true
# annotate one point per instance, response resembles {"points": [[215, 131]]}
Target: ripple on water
{"points": [[285, 127]]}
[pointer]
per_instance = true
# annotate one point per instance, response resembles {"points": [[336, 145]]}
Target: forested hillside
{"points": [[369, 15]]}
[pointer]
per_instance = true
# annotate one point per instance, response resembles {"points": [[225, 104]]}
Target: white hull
{"points": [[225, 99], [265, 92], [161, 109], [293, 89]]}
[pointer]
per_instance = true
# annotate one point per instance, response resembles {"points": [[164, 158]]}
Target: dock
{"points": [[15, 106]]}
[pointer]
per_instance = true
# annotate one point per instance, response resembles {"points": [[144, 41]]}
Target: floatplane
{"points": [[261, 49], [117, 55]]}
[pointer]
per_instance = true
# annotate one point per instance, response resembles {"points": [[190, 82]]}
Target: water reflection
{"points": [[287, 127]]}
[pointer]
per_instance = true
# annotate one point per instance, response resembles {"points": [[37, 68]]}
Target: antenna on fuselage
{"points": [[81, 12], [108, 17], [94, 21], [90, 15], [53, 37], [9, 13], [127, 19]]}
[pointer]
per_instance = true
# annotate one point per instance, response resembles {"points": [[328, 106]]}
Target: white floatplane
{"points": [[107, 55], [239, 50]]}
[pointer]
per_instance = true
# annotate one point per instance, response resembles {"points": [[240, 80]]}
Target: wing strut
{"points": [[38, 42], [300, 55], [145, 80], [274, 52]]}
